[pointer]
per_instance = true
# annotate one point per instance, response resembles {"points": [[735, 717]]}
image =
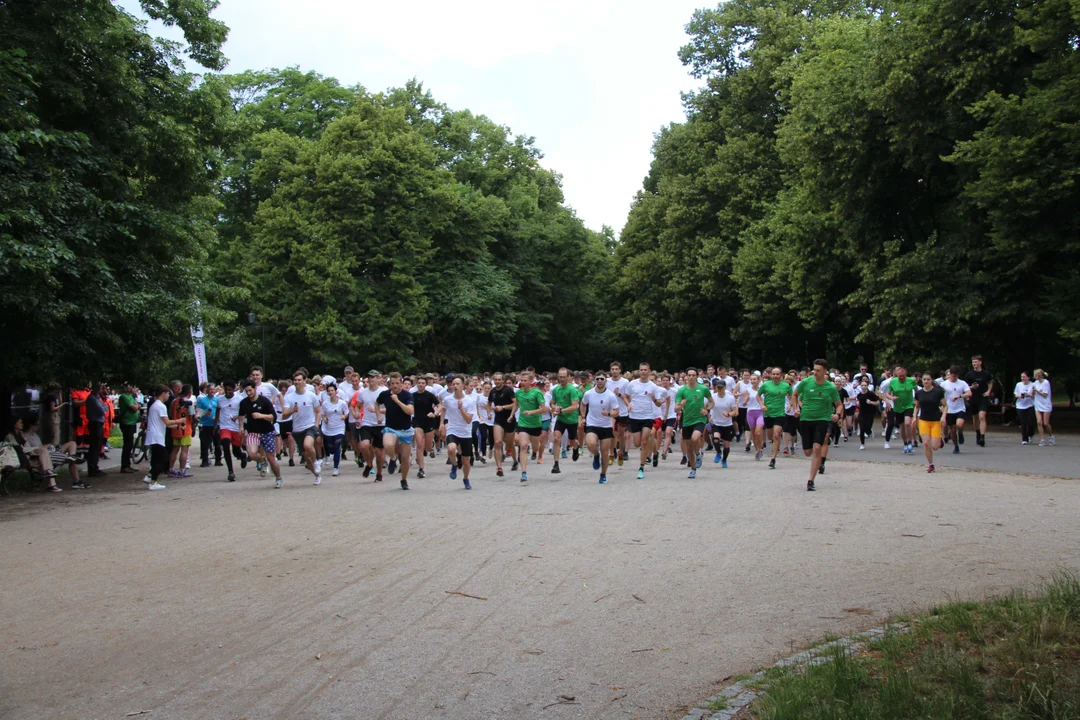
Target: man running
{"points": [[601, 409], [565, 400], [258, 415], [642, 397], [501, 401], [397, 429], [302, 405], [531, 406], [458, 410], [617, 384], [371, 430], [774, 392], [694, 401], [957, 392], [425, 422], [982, 387], [725, 408], [901, 393], [817, 402], [229, 435]]}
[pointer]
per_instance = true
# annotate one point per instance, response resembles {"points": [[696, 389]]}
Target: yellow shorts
{"points": [[183, 441], [933, 429]]}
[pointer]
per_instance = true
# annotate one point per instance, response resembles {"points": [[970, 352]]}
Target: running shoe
{"points": [[367, 470], [391, 467], [693, 473], [524, 477], [663, 455], [243, 462], [498, 472], [318, 479], [378, 477], [697, 463], [861, 447], [683, 461], [747, 449], [1050, 441], [956, 450], [467, 485], [655, 459], [810, 486], [232, 478], [292, 463], [420, 474], [563, 454], [404, 485], [620, 460], [1023, 442], [534, 456], [717, 458], [155, 486], [1042, 443], [603, 479], [772, 464], [821, 470], [641, 473], [278, 483], [514, 467], [930, 468], [555, 468], [453, 472], [595, 462], [759, 454], [574, 455], [723, 463], [483, 460]]}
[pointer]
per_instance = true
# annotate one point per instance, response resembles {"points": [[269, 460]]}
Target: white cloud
{"points": [[591, 80]]}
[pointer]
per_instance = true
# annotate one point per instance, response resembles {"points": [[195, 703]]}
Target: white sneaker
{"points": [[335, 473], [318, 480], [278, 483], [1051, 440], [1023, 442], [887, 446], [187, 465], [155, 486], [862, 447], [148, 480]]}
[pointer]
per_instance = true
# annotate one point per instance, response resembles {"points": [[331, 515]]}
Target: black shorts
{"points": [[771, 422], [670, 422], [570, 430], [464, 445], [791, 425], [284, 428], [813, 432], [621, 421], [373, 434], [312, 432], [726, 432], [637, 426], [951, 418], [910, 412], [601, 433], [534, 432], [426, 424], [689, 430], [978, 405], [509, 425], [849, 411]]}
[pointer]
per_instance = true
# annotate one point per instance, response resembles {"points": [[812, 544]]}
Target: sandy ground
{"points": [[217, 600]]}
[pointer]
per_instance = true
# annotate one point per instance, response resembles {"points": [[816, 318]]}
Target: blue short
{"points": [[268, 441], [403, 436]]}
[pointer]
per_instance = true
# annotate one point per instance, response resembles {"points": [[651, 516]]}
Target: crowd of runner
{"points": [[396, 424]]}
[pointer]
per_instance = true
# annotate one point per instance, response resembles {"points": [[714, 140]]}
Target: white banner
{"points": [[200, 351]]}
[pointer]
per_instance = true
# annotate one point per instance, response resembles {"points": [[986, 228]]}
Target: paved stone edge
{"points": [[737, 697]]}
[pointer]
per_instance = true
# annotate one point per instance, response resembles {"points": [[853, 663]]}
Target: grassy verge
{"points": [[1012, 658]]}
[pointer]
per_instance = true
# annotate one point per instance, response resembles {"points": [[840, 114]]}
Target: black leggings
{"points": [[485, 438], [206, 441], [128, 431], [159, 461], [866, 425], [1025, 417]]}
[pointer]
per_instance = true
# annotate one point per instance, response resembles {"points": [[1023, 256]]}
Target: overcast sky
{"points": [[590, 80]]}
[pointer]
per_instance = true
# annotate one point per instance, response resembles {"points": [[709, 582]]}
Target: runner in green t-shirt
{"points": [[565, 400], [816, 403], [694, 402], [901, 391], [532, 406], [774, 393]]}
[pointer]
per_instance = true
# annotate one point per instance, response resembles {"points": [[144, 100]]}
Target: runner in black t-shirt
{"points": [[982, 385], [258, 416], [397, 431], [869, 402], [425, 421], [930, 400], [503, 402]]}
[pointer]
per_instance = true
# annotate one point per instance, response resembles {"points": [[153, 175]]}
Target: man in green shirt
{"points": [[532, 406], [127, 411], [565, 399], [694, 401], [817, 404], [901, 393], [773, 394]]}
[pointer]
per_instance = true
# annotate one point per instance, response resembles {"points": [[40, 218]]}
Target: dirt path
{"points": [[224, 600]]}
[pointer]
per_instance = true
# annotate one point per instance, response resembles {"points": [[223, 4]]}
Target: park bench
{"points": [[36, 474]]}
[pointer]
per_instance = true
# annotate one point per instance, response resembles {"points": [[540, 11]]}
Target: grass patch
{"points": [[716, 705], [1015, 658]]}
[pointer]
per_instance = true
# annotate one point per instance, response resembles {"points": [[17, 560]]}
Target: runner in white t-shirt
{"points": [[334, 410], [458, 410], [724, 411], [957, 393], [302, 405], [229, 434], [600, 408], [642, 397], [617, 384], [371, 442]]}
